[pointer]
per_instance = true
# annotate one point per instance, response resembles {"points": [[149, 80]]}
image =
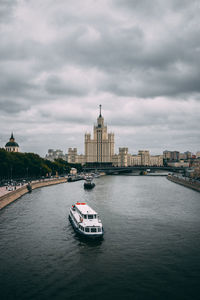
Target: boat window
{"points": [[85, 216], [87, 229], [90, 216], [99, 229], [93, 229]]}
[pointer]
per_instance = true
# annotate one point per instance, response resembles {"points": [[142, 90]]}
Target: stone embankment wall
{"points": [[189, 184], [14, 195]]}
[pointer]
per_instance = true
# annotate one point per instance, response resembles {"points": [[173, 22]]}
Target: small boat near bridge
{"points": [[88, 184]]}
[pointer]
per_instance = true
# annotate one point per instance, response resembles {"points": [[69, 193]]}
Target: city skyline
{"points": [[66, 151], [59, 61]]}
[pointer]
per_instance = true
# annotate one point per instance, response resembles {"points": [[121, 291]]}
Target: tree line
{"points": [[16, 165]]}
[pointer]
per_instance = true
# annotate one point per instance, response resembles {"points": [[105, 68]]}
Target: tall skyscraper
{"points": [[101, 147]]}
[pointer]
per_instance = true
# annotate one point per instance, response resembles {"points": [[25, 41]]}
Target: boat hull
{"points": [[89, 186], [82, 234]]}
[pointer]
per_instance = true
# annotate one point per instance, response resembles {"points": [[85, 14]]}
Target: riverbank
{"points": [[10, 197], [188, 184]]}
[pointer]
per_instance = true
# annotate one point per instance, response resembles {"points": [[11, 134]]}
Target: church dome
{"points": [[11, 144]]}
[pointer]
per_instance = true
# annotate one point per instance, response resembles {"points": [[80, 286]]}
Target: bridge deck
{"points": [[110, 170]]}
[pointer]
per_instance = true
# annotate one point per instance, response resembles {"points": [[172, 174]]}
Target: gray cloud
{"points": [[6, 10], [56, 86], [12, 106], [140, 59]]}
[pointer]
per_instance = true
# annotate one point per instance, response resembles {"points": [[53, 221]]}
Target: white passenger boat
{"points": [[85, 220]]}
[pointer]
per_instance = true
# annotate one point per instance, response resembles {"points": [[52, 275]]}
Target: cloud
{"points": [[55, 85], [6, 10], [140, 59]]}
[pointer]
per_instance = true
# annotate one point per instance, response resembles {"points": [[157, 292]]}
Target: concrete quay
{"points": [[7, 197], [189, 184]]}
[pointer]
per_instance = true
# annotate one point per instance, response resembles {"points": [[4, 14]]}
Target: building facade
{"points": [[156, 160], [72, 156], [172, 155], [135, 160], [198, 154], [196, 167], [143, 158], [123, 159], [100, 149], [55, 154]]}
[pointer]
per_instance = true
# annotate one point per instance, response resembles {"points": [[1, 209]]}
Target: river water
{"points": [[150, 250]]}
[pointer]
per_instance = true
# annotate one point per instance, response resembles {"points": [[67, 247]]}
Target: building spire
{"points": [[100, 110], [12, 139]]}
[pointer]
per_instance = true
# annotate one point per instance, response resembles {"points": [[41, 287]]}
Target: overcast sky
{"points": [[140, 59]]}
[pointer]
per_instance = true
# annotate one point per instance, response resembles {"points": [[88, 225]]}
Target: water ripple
{"points": [[150, 250]]}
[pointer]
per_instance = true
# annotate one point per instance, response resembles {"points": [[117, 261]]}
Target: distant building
{"points": [[188, 154], [124, 159], [150, 160], [81, 159], [198, 154], [182, 156], [145, 157], [72, 156], [196, 167], [167, 155], [55, 154], [171, 155], [136, 160], [100, 149], [156, 160], [12, 146], [175, 155]]}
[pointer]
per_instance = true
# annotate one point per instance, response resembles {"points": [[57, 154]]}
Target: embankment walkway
{"points": [[189, 184], [7, 197]]}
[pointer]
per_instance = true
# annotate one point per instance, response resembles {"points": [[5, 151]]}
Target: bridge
{"points": [[110, 170]]}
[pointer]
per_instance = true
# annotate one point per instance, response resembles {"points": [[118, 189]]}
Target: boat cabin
{"points": [[85, 211]]}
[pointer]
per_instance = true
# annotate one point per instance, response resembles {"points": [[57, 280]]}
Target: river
{"points": [[150, 250]]}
